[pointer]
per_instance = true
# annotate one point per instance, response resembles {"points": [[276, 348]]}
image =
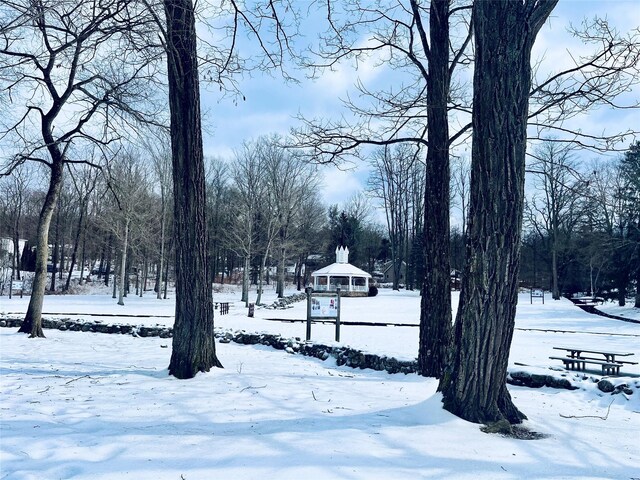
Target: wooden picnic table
{"points": [[609, 355], [577, 361]]}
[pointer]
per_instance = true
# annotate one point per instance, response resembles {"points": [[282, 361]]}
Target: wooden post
{"points": [[308, 336], [338, 316]]}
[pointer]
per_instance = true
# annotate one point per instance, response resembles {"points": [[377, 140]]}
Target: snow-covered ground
{"points": [[96, 406]]}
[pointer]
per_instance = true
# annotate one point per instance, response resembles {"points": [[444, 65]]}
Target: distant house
{"points": [[352, 280], [6, 246], [388, 275], [456, 279]]}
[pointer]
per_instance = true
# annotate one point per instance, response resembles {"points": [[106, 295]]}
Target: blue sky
{"points": [[272, 104]]}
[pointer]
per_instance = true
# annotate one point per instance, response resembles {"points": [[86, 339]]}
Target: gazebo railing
{"points": [[344, 288]]}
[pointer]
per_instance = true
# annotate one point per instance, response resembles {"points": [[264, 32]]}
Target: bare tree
{"points": [[460, 176], [85, 180], [628, 197], [308, 236], [412, 37], [127, 176], [390, 181], [474, 382], [289, 180], [65, 81], [15, 193], [398, 38], [158, 148], [556, 210], [193, 345], [246, 172], [220, 214]]}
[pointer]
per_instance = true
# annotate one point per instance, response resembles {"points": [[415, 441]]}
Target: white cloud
{"points": [[340, 185]]}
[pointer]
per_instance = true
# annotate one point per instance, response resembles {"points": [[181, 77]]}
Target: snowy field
{"points": [[96, 406]]}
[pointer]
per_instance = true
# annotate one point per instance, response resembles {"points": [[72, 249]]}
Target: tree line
{"points": [[264, 211], [582, 224]]}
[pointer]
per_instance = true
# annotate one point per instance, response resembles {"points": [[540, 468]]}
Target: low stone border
{"points": [[347, 356], [343, 355], [96, 327], [525, 379], [285, 302]]}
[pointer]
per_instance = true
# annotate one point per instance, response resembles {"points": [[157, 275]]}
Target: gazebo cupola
{"points": [[352, 280]]}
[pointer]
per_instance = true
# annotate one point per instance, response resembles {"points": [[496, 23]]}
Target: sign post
{"points": [[537, 293], [16, 285], [323, 306]]}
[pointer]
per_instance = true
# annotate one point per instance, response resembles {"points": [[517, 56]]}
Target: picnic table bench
{"points": [[224, 307], [575, 360], [588, 301]]}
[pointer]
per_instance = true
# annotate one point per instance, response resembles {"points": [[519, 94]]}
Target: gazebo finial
{"points": [[342, 254]]}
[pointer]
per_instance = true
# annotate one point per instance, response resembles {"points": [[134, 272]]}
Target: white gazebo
{"points": [[352, 280]]}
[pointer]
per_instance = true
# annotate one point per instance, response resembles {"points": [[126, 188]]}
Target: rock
{"points": [[605, 386], [520, 379], [560, 383], [538, 381], [622, 388], [501, 426]]}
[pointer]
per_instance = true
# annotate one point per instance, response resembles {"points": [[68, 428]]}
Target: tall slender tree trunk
{"points": [[474, 382], [637, 298], [161, 264], [32, 323], [435, 303], [76, 245], [245, 281], [123, 264], [263, 268], [83, 257], [15, 263], [56, 249], [281, 271], [555, 293], [109, 248], [194, 347]]}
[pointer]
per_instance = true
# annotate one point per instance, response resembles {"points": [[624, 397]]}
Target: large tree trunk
{"points": [[435, 305], [193, 342], [474, 383], [32, 323]]}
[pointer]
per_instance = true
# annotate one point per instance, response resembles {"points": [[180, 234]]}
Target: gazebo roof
{"points": [[340, 270]]}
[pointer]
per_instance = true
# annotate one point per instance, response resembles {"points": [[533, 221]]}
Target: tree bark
{"points": [[474, 383], [32, 323], [435, 304], [193, 342]]}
